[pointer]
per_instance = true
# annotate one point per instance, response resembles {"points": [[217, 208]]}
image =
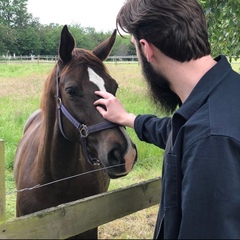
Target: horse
{"points": [[67, 136]]}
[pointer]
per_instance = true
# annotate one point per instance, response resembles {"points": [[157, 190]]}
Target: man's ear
{"points": [[147, 49]]}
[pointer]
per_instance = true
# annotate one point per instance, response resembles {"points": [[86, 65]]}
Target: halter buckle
{"points": [[59, 102], [83, 131]]}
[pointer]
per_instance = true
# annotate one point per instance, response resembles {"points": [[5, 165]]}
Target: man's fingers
{"points": [[101, 110], [103, 94], [100, 101]]}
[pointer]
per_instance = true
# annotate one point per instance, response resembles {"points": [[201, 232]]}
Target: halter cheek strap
{"points": [[83, 129]]}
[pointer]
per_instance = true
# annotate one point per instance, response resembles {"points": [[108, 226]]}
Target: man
{"points": [[201, 176]]}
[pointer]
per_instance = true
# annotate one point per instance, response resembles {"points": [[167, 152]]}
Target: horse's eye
{"points": [[71, 92]]}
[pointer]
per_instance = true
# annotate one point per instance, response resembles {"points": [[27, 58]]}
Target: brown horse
{"points": [[68, 136]]}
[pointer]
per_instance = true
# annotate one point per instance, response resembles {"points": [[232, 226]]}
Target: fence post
{"points": [[2, 183]]}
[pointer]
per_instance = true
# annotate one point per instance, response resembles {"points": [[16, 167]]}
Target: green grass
{"points": [[24, 69], [236, 66]]}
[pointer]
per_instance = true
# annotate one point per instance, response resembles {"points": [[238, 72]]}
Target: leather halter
{"points": [[83, 129]]}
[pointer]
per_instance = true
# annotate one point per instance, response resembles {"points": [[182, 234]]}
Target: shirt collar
{"points": [[204, 87]]}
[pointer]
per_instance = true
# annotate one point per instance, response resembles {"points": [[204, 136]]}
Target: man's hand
{"points": [[114, 111]]}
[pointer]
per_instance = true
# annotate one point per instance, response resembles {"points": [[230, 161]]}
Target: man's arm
{"points": [[149, 128]]}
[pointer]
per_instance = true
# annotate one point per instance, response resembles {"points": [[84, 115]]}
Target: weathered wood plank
{"points": [[2, 183], [73, 218]]}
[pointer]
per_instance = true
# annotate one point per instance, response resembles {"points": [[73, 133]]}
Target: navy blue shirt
{"points": [[201, 174]]}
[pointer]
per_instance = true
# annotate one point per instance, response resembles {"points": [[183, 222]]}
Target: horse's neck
{"points": [[61, 155]]}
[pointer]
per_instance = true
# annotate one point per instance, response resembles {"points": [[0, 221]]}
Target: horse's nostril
{"points": [[114, 157]]}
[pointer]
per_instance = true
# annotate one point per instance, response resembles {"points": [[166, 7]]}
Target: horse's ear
{"points": [[104, 49], [67, 43]]}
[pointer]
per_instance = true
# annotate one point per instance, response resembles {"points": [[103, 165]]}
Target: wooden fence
{"points": [[53, 58], [2, 183], [63, 221]]}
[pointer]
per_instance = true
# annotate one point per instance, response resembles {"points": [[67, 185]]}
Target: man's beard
{"points": [[159, 87]]}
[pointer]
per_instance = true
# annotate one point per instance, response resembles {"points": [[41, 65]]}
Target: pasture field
{"points": [[21, 87], [20, 93]]}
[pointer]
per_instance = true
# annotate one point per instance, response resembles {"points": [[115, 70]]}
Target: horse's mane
{"points": [[82, 56]]}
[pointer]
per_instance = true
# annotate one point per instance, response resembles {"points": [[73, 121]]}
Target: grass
{"points": [[20, 92]]}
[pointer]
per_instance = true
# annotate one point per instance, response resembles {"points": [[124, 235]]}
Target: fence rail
{"points": [[70, 219], [28, 59], [53, 58]]}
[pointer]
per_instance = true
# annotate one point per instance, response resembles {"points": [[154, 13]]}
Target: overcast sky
{"points": [[100, 14]]}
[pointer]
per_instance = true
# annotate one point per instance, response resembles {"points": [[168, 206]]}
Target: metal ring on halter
{"points": [[59, 102], [83, 131]]}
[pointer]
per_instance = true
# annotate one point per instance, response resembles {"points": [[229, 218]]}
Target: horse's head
{"points": [[79, 74]]}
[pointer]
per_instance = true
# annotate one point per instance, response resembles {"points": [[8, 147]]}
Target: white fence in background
{"points": [[52, 58]]}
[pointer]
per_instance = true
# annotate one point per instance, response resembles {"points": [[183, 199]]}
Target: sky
{"points": [[100, 14]]}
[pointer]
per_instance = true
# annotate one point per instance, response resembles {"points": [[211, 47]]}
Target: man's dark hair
{"points": [[176, 27]]}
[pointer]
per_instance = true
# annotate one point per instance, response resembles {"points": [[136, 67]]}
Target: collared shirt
{"points": [[201, 176]]}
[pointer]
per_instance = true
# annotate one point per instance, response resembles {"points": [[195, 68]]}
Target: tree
{"points": [[13, 13], [49, 39], [223, 19], [8, 38], [28, 42], [19, 30], [20, 33], [123, 46], [93, 38], [80, 37]]}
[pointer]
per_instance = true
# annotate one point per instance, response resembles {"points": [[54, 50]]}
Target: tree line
{"points": [[22, 34]]}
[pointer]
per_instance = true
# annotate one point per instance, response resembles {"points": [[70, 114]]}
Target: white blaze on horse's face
{"points": [[131, 153], [96, 79]]}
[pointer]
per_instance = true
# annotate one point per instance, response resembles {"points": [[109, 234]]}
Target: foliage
{"points": [[13, 13], [22, 34], [49, 38], [224, 26]]}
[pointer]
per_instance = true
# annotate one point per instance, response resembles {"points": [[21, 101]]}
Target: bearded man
{"points": [[201, 170]]}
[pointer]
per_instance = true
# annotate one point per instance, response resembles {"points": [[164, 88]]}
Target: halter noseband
{"points": [[83, 129]]}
